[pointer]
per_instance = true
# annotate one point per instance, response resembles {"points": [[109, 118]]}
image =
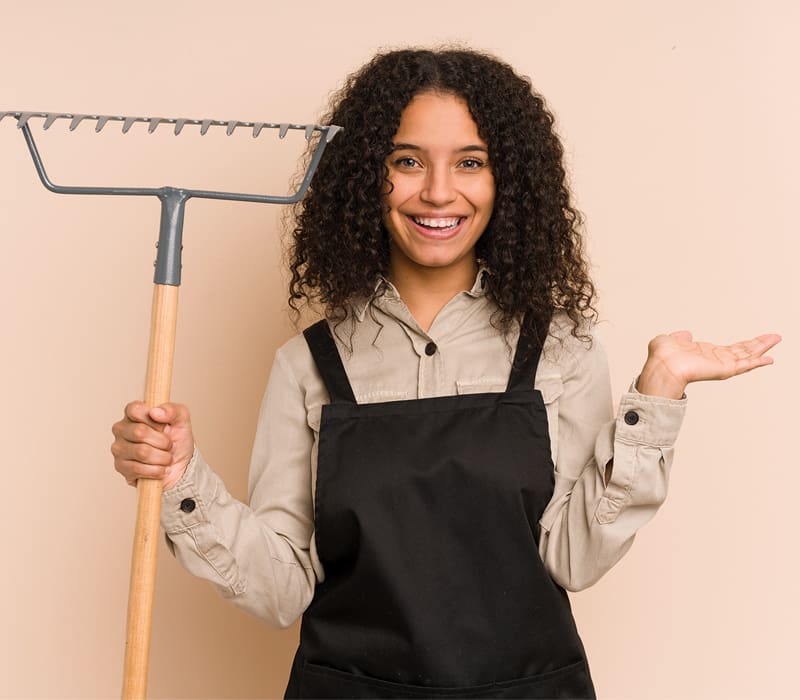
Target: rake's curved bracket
{"points": [[173, 200]]}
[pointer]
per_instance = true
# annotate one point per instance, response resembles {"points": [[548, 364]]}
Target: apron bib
{"points": [[427, 526]]}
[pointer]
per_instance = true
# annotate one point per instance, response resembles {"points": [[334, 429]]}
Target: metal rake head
{"points": [[173, 199], [154, 122], [23, 119]]}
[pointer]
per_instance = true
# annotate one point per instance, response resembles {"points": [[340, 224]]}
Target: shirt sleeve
{"points": [[591, 520], [258, 556]]}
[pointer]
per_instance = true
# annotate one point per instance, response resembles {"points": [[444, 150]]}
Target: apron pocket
{"points": [[571, 682]]}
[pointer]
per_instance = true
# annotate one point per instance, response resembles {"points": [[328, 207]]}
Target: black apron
{"points": [[427, 525]]}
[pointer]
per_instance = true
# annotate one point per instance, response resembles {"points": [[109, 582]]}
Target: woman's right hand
{"points": [[153, 443]]}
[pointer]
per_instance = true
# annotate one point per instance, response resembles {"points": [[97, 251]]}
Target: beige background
{"points": [[681, 124]]}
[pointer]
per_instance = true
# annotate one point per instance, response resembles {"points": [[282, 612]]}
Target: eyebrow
{"points": [[463, 149]]}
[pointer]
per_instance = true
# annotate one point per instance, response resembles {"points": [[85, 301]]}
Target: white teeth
{"points": [[437, 223]]}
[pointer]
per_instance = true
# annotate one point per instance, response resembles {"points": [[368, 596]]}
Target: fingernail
{"points": [[157, 412]]}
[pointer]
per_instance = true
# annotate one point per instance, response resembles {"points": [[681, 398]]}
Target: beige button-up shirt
{"points": [[263, 555]]}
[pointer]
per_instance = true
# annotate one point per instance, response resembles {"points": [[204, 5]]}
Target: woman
{"points": [[411, 493]]}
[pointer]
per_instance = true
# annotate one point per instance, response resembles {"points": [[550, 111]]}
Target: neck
{"points": [[425, 290]]}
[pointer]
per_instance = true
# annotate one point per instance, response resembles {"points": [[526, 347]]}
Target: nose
{"points": [[439, 187]]}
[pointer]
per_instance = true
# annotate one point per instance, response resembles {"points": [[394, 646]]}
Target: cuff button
{"points": [[631, 418], [188, 505]]}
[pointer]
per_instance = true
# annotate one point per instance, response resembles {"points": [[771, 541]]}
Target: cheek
{"points": [[490, 198], [484, 202], [482, 193], [399, 189], [391, 218]]}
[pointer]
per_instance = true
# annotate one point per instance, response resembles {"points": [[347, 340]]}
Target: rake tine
{"points": [[154, 122], [51, 118], [331, 131], [23, 118], [77, 119], [101, 122], [180, 123]]}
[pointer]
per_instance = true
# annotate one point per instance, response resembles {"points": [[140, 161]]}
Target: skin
{"points": [[439, 168]]}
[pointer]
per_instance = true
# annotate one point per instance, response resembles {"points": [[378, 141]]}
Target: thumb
{"points": [[170, 413]]}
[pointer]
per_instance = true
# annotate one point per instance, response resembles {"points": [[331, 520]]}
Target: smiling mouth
{"points": [[438, 225]]}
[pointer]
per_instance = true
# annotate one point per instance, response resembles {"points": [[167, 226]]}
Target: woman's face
{"points": [[442, 187]]}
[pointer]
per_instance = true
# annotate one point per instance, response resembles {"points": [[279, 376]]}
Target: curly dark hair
{"points": [[532, 246]]}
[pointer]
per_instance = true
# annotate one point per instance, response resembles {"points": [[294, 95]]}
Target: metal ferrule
{"points": [[170, 237]]}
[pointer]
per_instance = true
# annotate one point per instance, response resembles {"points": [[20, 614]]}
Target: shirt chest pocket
{"points": [[481, 385], [314, 412]]}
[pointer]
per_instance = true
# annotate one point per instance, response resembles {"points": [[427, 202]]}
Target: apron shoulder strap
{"points": [[329, 362], [526, 358]]}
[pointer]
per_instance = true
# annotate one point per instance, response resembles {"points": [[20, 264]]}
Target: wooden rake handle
{"points": [[146, 536], [162, 339]]}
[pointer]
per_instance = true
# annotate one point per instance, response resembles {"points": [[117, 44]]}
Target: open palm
{"points": [[687, 360]]}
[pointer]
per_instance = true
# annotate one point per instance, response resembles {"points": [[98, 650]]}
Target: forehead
{"points": [[434, 119]]}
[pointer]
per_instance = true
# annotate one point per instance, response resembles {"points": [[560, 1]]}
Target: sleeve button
{"points": [[631, 418], [430, 348], [188, 505]]}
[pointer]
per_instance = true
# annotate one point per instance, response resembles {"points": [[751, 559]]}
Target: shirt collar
{"points": [[385, 291]]}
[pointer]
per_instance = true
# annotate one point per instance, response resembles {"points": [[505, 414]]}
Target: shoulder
{"points": [[293, 359], [293, 350]]}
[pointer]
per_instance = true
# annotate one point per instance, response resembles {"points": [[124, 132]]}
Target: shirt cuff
{"points": [[186, 504], [649, 420]]}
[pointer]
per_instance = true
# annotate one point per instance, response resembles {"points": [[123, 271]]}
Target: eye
{"points": [[471, 164], [405, 162]]}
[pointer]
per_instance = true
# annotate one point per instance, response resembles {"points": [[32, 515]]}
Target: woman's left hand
{"points": [[675, 359]]}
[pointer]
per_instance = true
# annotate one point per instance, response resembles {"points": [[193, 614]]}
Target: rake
{"points": [[167, 279]]}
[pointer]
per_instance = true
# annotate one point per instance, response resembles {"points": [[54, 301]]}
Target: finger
{"points": [[767, 341], [751, 363], [140, 452], [172, 413], [147, 454], [759, 345], [133, 470], [684, 336], [138, 412], [127, 431]]}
